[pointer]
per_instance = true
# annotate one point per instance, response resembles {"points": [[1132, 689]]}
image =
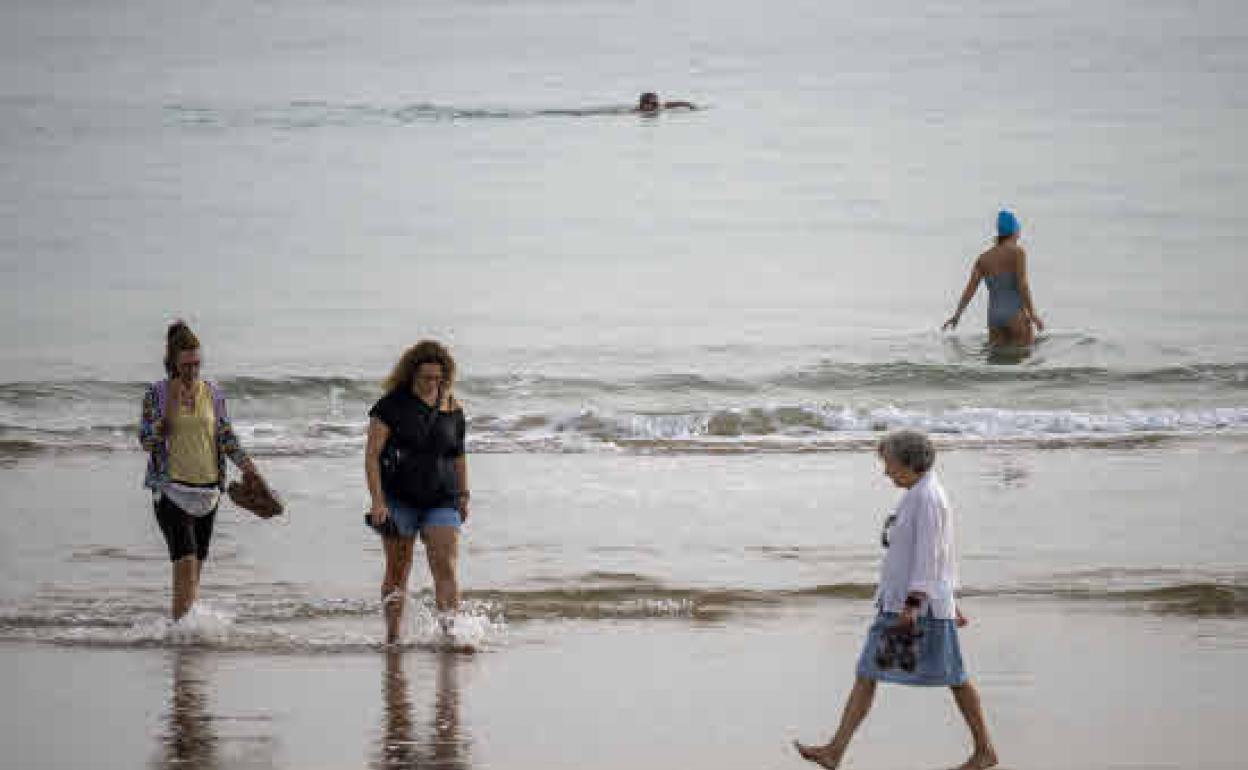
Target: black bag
{"points": [[387, 529], [899, 648]]}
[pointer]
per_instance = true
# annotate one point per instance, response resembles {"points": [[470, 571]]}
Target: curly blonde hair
{"points": [[423, 352]]}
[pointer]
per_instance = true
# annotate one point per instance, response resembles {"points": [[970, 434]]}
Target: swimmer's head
{"points": [[1007, 224], [648, 102]]}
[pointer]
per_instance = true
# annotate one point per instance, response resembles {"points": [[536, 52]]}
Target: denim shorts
{"points": [[408, 521]]}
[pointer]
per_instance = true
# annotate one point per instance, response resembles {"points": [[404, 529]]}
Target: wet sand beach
{"points": [[1066, 688], [679, 338], [625, 632]]}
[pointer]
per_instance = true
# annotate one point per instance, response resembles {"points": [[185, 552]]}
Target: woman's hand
{"points": [[1035, 319], [960, 620], [378, 512], [463, 505], [952, 323], [908, 617]]}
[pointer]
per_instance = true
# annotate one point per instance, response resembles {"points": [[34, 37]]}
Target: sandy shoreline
{"points": [[1069, 688], [1069, 680]]}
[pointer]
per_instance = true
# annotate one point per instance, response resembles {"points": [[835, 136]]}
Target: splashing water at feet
{"points": [[470, 627], [202, 624]]}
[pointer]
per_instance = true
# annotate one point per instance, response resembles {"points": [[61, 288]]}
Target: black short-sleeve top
{"points": [[429, 441]]}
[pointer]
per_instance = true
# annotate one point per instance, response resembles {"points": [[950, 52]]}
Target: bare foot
{"points": [[980, 760], [824, 756]]}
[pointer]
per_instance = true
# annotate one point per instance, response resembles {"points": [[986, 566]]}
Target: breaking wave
{"points": [[827, 407]]}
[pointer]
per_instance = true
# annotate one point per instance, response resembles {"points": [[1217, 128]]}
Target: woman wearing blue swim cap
{"points": [[1012, 317]]}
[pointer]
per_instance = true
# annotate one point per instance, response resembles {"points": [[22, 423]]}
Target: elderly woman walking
{"points": [[914, 638]]}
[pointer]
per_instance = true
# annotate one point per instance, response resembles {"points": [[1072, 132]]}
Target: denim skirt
{"points": [[937, 656]]}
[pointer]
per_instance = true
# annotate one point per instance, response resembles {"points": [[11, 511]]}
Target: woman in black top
{"points": [[417, 477]]}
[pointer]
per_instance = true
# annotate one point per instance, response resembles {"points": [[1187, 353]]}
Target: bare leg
{"points": [[199, 571], [185, 585], [442, 550], [984, 755], [394, 584], [856, 708]]}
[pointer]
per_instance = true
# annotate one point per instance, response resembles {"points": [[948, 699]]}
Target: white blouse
{"points": [[921, 555]]}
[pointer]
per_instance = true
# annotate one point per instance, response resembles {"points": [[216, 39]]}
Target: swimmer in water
{"points": [[649, 104], [1012, 318]]}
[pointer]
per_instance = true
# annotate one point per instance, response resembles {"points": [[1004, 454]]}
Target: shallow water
{"points": [[679, 338], [692, 538], [341, 179]]}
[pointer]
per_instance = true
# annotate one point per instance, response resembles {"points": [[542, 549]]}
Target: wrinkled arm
{"points": [[924, 564], [923, 577]]}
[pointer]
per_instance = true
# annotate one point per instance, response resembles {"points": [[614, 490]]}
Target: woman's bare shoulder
{"points": [[986, 258], [1001, 257]]}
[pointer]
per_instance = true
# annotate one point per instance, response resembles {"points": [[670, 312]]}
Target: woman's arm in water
{"points": [[1024, 290], [972, 285]]}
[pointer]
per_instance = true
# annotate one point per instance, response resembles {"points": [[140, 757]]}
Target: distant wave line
{"points": [[820, 377], [798, 428]]}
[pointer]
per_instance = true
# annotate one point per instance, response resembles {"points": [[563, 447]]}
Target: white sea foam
{"points": [[826, 425], [471, 626], [203, 624], [821, 407]]}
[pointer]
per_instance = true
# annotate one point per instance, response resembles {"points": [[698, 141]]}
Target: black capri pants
{"points": [[186, 535]]}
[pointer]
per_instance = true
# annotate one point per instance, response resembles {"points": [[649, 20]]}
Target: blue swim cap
{"points": [[1007, 224]]}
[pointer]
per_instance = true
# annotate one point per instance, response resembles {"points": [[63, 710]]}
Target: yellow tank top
{"points": [[193, 439]]}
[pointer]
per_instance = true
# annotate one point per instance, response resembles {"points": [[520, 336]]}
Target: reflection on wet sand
{"points": [[1008, 471], [441, 745], [191, 738]]}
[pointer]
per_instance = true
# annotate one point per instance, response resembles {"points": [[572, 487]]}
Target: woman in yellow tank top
{"points": [[192, 434], [188, 436]]}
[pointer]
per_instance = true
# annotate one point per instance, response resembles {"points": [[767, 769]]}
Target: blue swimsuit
{"points": [[1004, 299]]}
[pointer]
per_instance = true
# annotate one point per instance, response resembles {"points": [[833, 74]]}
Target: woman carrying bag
{"points": [[914, 638], [186, 431], [417, 477]]}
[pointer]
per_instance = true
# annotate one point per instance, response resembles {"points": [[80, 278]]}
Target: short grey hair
{"points": [[911, 448]]}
